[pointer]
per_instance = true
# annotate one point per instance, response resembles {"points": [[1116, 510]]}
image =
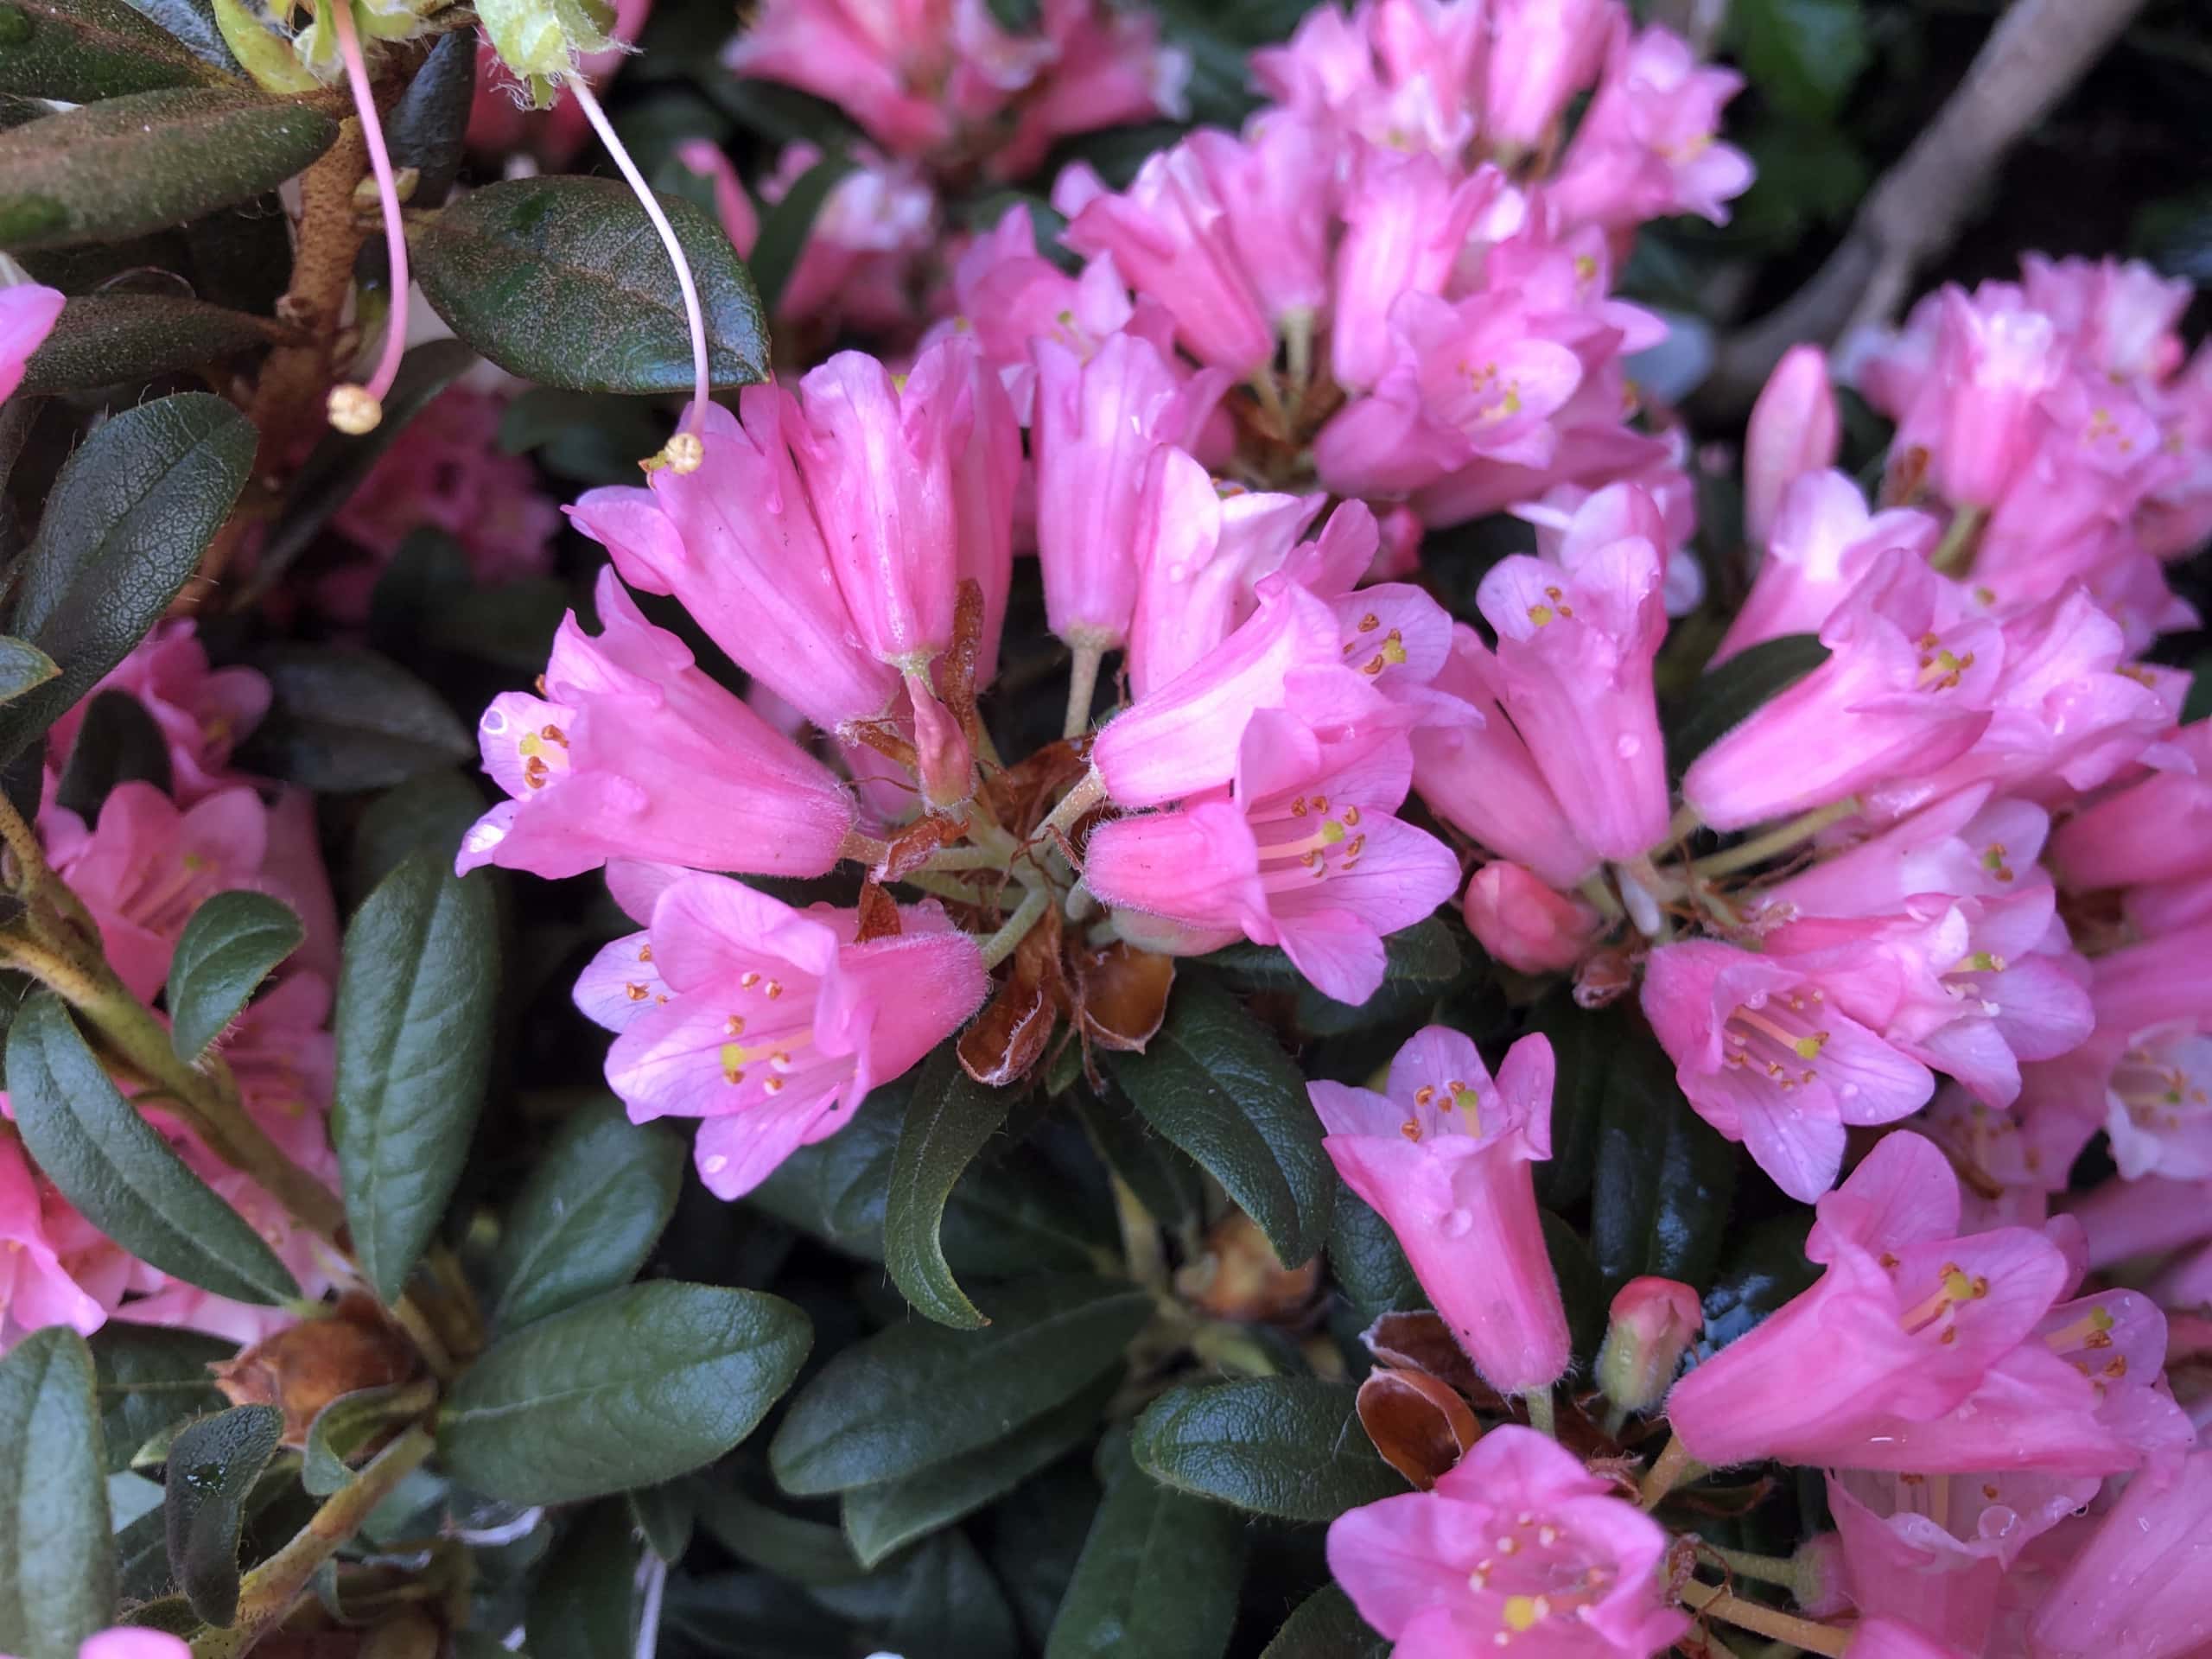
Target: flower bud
{"points": [[1525, 924], [1817, 1568], [1653, 1321]]}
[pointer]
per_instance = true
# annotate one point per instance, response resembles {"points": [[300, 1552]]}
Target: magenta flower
{"points": [[770, 1024], [1302, 851], [2137, 1589], [1524, 923], [1394, 73], [202, 712], [2154, 831], [634, 752], [53, 1270], [852, 55], [27, 314], [1794, 429], [1767, 1057], [1444, 1158], [1820, 543], [1517, 1544], [1978, 415], [1892, 1638], [1542, 52], [1646, 147], [1279, 185]]}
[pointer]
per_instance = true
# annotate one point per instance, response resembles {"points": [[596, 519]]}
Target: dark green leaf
{"points": [[583, 1605], [1421, 964], [585, 438], [414, 1029], [1037, 1537], [83, 50], [881, 1520], [563, 281], [432, 809], [1289, 1446], [426, 127], [588, 1216], [101, 339], [950, 1118], [786, 225], [213, 1466], [751, 1616], [125, 527], [336, 467], [641, 1385], [1582, 1289], [233, 942], [1731, 693], [1763, 1268], [345, 718], [1369, 1267], [1802, 56], [1159, 1576], [805, 1552], [1326, 1626], [57, 1561], [664, 1514], [116, 742], [949, 1607], [1662, 1178], [151, 1380], [23, 667], [917, 1395], [344, 1428], [193, 21], [1164, 1178], [116, 1167], [132, 165], [1215, 1082], [1578, 1097]]}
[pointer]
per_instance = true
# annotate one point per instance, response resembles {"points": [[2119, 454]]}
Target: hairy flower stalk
{"points": [[359, 408]]}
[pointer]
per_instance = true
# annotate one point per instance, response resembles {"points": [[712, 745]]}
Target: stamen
{"points": [[353, 408]]}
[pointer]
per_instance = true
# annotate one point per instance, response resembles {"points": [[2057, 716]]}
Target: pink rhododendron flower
{"points": [[26, 313], [1646, 147], [1518, 1541], [1794, 429], [1398, 72], [1892, 1638], [1279, 185], [1648, 1328], [2145, 1216], [1820, 543], [201, 712], [2137, 1589], [770, 1024], [634, 752], [1523, 922], [133, 1642], [54, 1267], [1444, 1158]]}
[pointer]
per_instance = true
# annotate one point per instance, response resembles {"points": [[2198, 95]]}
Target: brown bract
{"points": [[1420, 1427], [303, 1369], [1238, 1277], [1008, 1039], [1120, 994]]}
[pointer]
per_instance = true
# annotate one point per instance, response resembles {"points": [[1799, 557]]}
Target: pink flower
{"points": [[133, 1642], [739, 544], [634, 752], [1524, 923], [1397, 72], [1303, 851], [1649, 1327], [1794, 429], [1890, 1638], [1767, 1059], [1577, 633], [43, 1242], [1108, 69], [2157, 828], [1444, 1158], [1646, 146], [851, 55], [1920, 1351], [1279, 185], [1819, 545], [1519, 1541], [2138, 1590], [26, 313], [770, 1023], [2150, 1215], [201, 712], [1542, 55]]}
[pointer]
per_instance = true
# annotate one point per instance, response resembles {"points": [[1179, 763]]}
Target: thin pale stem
{"points": [[1685, 823], [1270, 396], [1768, 1569], [395, 232], [1674, 1466], [1594, 889], [1715, 1603], [944, 886], [695, 318], [1541, 1417], [967, 858], [1784, 838], [1076, 801], [1083, 686], [1955, 550], [863, 848], [1000, 945]]}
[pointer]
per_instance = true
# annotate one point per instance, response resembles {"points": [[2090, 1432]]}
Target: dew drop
{"points": [[1628, 747], [1454, 1223]]}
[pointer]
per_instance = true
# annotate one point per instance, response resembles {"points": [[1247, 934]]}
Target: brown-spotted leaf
{"points": [[1120, 994], [1009, 1038], [1420, 1427]]}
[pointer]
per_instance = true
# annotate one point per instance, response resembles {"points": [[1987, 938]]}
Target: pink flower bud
{"points": [[27, 312], [1794, 429], [1544, 53], [1654, 1321], [1525, 924]]}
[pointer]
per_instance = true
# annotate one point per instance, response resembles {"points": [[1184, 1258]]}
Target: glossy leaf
{"points": [[1578, 1050], [1037, 1537], [84, 50], [1159, 1576], [413, 1038], [347, 719], [101, 339], [1763, 1267], [1326, 1626], [132, 165], [57, 1561], [1166, 1181], [23, 667], [118, 1171], [150, 1379], [948, 1606], [663, 1515], [1370, 1266], [950, 1118], [640, 1385], [432, 809], [917, 1395], [342, 1430], [583, 1605], [233, 942], [562, 280], [588, 1216], [116, 742], [789, 1545], [1215, 1082], [427, 127], [1289, 1446], [124, 526], [213, 1466], [1725, 697]]}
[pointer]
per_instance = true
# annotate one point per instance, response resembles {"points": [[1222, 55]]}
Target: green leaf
{"points": [[1159, 1576], [1326, 1626], [1369, 1267], [1164, 1178], [338, 463], [1802, 56], [950, 1118], [233, 942], [1215, 1082], [116, 1168], [1289, 1446], [588, 1216], [917, 1395], [786, 224], [664, 1516], [57, 1561], [427, 126], [275, 1510], [1763, 1268], [83, 50], [192, 22], [641, 1385], [132, 165], [346, 719], [583, 1605], [416, 995], [150, 1379], [805, 1552], [342, 1429], [1037, 1537], [1421, 964], [117, 742], [1729, 694], [23, 667], [881, 1520], [101, 339], [562, 280], [1578, 1097], [1662, 1178], [124, 526], [949, 1606], [432, 809], [213, 1466]]}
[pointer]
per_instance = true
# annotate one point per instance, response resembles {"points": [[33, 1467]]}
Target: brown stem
{"points": [[2037, 54]]}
